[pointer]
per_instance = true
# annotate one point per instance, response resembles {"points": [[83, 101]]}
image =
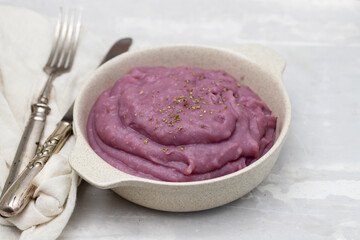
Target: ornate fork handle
{"points": [[29, 141], [20, 192]]}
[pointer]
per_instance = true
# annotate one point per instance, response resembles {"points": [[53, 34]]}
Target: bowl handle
{"points": [[99, 173], [268, 59]]}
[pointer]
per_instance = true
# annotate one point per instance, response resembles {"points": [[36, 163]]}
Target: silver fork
{"points": [[60, 61]]}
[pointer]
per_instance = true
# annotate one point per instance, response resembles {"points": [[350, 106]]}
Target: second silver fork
{"points": [[60, 61]]}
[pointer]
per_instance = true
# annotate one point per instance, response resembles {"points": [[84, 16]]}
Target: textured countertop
{"points": [[313, 192]]}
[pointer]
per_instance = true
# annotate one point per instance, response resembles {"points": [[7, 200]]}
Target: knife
{"points": [[18, 195]]}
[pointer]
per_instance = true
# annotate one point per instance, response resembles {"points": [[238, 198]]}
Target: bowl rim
{"points": [[132, 178]]}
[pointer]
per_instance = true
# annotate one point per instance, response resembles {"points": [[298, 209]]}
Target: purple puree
{"points": [[180, 124]]}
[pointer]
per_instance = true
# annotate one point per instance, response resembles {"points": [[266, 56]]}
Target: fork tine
{"points": [[62, 40], [74, 43], [67, 47], [59, 26]]}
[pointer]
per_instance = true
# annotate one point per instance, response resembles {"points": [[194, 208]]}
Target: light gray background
{"points": [[314, 190]]}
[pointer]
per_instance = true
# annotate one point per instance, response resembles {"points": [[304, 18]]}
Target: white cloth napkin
{"points": [[25, 42]]}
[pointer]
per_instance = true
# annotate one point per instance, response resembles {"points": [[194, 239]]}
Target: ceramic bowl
{"points": [[260, 68]]}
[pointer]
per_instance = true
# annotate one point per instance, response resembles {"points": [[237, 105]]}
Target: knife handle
{"points": [[29, 142], [20, 192]]}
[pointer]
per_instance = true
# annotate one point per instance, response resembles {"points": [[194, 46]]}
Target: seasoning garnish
{"points": [[165, 149], [182, 148], [238, 84], [124, 115], [178, 99], [141, 92], [202, 125], [177, 118]]}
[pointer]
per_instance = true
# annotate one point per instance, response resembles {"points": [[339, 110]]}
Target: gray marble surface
{"points": [[313, 191]]}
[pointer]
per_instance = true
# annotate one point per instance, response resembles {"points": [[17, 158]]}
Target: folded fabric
{"points": [[25, 42]]}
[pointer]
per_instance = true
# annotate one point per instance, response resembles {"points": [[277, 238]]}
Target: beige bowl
{"points": [[262, 69]]}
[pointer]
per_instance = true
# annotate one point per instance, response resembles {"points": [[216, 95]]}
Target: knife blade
{"points": [[18, 195]]}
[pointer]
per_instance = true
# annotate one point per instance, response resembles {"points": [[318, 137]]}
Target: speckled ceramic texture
{"points": [[260, 68]]}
